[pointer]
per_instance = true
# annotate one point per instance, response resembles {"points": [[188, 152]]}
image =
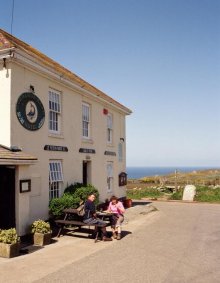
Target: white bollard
{"points": [[189, 192]]}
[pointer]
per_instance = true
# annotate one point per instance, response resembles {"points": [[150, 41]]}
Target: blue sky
{"points": [[160, 58]]}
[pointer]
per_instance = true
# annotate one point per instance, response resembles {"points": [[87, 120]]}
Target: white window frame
{"points": [[110, 179], [55, 178], [109, 128], [86, 120], [54, 118]]}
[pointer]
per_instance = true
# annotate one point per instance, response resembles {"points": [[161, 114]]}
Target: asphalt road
{"points": [[178, 243]]}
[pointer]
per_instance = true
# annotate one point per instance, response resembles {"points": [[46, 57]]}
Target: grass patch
{"points": [[206, 194], [203, 194], [143, 193], [177, 195]]}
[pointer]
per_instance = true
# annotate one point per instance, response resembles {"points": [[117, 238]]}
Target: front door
{"points": [[7, 197], [85, 173]]}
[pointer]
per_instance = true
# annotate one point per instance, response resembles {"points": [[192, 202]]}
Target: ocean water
{"points": [[139, 172]]}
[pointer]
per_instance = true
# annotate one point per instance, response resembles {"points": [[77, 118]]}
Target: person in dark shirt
{"points": [[90, 217]]}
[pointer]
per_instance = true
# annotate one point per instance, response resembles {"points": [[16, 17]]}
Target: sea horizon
{"points": [[137, 172]]}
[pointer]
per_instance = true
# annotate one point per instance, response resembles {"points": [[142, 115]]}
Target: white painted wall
{"points": [[5, 100], [34, 205]]}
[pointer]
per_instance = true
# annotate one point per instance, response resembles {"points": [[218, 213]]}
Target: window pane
{"points": [[120, 155], [54, 107], [55, 178], [56, 171], [109, 121], [85, 120]]}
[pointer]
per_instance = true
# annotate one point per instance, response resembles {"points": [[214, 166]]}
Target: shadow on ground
{"points": [[134, 203], [85, 233]]}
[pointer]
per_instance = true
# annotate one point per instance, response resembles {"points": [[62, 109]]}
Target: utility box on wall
{"points": [[122, 179]]}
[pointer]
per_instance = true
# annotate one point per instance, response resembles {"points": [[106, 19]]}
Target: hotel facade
{"points": [[55, 130]]}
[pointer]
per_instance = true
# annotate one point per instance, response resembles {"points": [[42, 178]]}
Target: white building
{"points": [[68, 131]]}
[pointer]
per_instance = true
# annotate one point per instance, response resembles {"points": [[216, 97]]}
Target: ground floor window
{"points": [[55, 178]]}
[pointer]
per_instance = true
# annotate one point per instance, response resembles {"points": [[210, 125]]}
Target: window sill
{"points": [[110, 145], [57, 136], [84, 140]]}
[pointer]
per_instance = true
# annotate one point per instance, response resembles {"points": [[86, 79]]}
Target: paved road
{"points": [[179, 243]]}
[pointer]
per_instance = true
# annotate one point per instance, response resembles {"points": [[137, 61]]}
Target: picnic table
{"points": [[71, 217]]}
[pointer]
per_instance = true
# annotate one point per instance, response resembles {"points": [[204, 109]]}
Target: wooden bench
{"points": [[71, 213]]}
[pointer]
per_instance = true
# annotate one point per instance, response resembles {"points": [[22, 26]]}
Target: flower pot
{"points": [[127, 203], [42, 239], [9, 250]]}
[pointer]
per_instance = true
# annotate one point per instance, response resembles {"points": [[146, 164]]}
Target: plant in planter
{"points": [[42, 232], [9, 243]]}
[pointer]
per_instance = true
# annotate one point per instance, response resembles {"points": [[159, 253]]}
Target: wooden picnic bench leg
{"points": [[99, 230], [96, 235], [60, 230], [61, 226]]}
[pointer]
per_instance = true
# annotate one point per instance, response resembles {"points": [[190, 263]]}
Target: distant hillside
{"points": [[200, 177]]}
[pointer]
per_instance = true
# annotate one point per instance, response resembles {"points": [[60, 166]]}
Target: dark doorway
{"points": [[85, 173], [7, 197]]}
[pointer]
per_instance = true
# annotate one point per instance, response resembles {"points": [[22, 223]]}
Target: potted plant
{"points": [[127, 202], [42, 232], [9, 243]]}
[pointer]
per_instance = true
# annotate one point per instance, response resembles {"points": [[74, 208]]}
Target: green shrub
{"points": [[40, 226], [9, 236], [72, 188], [177, 195], [57, 205], [72, 197], [83, 192], [149, 180]]}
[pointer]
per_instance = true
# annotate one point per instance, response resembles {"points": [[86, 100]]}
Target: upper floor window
{"points": [[120, 152], [55, 178], [109, 176], [85, 120], [54, 110], [109, 128]]}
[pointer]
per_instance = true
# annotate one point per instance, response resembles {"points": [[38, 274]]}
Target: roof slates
{"points": [[7, 154]]}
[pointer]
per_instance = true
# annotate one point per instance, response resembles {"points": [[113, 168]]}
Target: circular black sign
{"points": [[30, 111]]}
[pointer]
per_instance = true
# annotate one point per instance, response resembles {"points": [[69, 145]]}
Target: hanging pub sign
{"points": [[86, 150], [55, 148], [112, 153], [30, 111], [122, 179]]}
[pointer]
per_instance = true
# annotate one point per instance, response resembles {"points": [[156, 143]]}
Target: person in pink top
{"points": [[117, 218]]}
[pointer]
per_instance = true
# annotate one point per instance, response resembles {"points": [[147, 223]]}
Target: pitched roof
{"points": [[15, 156], [8, 41]]}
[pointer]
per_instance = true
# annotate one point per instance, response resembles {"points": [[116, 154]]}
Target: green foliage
{"points": [[9, 236], [207, 194], [57, 205], [150, 180], [203, 193], [143, 193], [40, 226], [83, 192], [177, 195], [72, 188], [72, 197]]}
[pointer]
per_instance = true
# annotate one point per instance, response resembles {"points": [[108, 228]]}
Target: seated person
{"points": [[90, 217], [117, 208]]}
